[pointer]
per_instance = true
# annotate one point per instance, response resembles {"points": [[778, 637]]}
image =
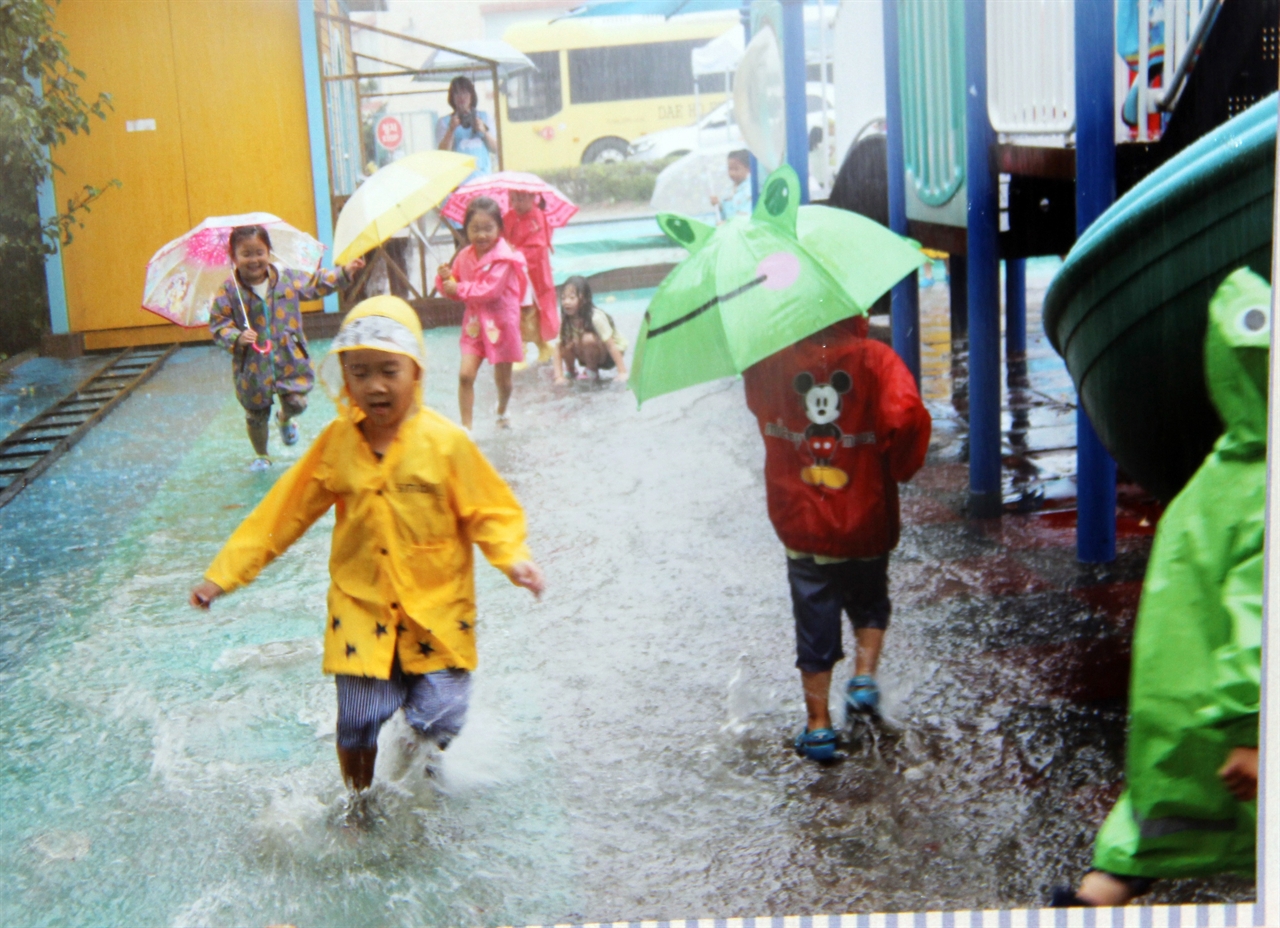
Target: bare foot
{"points": [[1103, 889]]}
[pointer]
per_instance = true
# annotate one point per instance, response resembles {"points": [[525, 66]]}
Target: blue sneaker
{"points": [[862, 694], [288, 431], [259, 465], [819, 744]]}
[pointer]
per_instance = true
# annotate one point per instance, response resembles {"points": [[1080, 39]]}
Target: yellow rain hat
{"points": [[383, 323]]}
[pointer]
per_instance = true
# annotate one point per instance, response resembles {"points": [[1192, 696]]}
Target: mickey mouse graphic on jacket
{"points": [[843, 424], [822, 405]]}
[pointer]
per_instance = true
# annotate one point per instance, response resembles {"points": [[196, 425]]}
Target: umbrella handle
{"points": [[431, 251], [239, 296]]}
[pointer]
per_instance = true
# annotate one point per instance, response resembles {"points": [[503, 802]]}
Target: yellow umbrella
{"points": [[394, 197]]}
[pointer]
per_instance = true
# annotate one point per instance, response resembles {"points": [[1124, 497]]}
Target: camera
{"points": [[466, 119]]}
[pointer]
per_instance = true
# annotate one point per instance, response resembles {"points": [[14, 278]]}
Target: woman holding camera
{"points": [[466, 130]]}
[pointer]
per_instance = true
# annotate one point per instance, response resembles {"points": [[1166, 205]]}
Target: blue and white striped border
{"points": [[1229, 915]]}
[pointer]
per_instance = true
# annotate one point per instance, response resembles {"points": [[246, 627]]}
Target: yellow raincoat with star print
{"points": [[402, 568]]}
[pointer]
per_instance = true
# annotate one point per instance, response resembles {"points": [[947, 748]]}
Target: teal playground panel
{"points": [[931, 64]]}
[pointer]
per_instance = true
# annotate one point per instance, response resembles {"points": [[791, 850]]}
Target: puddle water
{"points": [[626, 755]]}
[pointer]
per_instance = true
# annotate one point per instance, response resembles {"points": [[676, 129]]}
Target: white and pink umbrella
{"points": [[185, 276], [499, 187]]}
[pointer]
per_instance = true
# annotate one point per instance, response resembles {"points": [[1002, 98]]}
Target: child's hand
{"points": [[528, 575], [247, 337], [715, 200], [203, 593], [1240, 773], [450, 287], [353, 267]]}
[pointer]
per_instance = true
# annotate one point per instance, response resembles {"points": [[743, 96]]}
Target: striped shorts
{"points": [[434, 704]]}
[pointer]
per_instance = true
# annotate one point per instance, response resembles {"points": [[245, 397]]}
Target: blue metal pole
{"points": [[1095, 191], [793, 74], [905, 311], [983, 266], [1015, 308], [315, 128], [55, 283]]}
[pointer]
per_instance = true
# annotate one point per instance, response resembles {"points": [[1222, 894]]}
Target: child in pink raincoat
{"points": [[526, 228], [491, 278]]}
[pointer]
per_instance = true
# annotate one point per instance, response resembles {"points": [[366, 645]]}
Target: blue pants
{"points": [[435, 704], [820, 592]]}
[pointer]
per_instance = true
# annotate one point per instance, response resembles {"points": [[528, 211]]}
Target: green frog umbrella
{"points": [[751, 287]]}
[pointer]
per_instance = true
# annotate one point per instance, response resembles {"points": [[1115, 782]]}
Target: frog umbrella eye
{"points": [[1253, 320]]}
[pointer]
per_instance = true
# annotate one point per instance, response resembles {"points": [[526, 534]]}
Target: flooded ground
{"points": [[627, 754]]}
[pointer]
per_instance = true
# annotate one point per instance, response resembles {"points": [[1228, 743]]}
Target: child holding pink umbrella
{"points": [[491, 278], [257, 318], [532, 210]]}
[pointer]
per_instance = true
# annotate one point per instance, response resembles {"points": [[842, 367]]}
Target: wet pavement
{"points": [[627, 753]]}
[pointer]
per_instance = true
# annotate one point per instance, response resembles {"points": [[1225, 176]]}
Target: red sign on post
{"points": [[390, 133]]}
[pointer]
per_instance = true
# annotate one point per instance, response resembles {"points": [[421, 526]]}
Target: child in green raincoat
{"points": [[1191, 771]]}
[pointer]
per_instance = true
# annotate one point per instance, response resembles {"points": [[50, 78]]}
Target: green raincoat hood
{"points": [[1195, 686], [1235, 353]]}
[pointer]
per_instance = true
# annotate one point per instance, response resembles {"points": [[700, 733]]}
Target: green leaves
{"points": [[40, 109]]}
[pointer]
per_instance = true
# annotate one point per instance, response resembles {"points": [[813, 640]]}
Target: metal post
{"points": [[793, 75], [1095, 191], [905, 311], [1268, 840], [55, 281], [983, 267], [497, 112], [745, 15], [1015, 309], [958, 285], [317, 131], [824, 160]]}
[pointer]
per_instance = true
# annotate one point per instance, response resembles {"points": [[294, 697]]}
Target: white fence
{"points": [[1031, 61], [1031, 73]]}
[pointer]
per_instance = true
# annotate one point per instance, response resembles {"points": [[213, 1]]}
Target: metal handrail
{"points": [[1187, 53]]}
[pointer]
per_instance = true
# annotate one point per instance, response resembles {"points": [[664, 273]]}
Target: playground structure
{"points": [[1013, 170], [1027, 159]]}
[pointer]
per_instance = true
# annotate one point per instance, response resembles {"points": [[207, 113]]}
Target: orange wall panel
{"points": [[244, 109], [223, 81], [125, 49]]}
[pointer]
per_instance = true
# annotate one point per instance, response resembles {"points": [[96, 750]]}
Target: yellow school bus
{"points": [[599, 83]]}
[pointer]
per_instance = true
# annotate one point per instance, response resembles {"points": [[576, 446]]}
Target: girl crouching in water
{"points": [[412, 494], [588, 336]]}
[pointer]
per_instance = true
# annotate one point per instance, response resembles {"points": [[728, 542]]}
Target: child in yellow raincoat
{"points": [[412, 494]]}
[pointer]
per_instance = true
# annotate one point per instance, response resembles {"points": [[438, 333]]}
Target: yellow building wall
{"points": [[223, 81]]}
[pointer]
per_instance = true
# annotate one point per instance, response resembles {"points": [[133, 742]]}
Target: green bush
{"points": [[40, 108], [602, 184]]}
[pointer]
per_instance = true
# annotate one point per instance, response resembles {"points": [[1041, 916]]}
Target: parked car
{"points": [[718, 128]]}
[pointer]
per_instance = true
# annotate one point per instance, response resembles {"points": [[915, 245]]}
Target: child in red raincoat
{"points": [[843, 424], [529, 233]]}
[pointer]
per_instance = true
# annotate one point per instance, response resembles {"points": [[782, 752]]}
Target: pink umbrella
{"points": [[186, 275], [499, 187]]}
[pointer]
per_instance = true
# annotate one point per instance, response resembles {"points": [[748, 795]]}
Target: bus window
{"points": [[633, 72], [535, 93]]}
